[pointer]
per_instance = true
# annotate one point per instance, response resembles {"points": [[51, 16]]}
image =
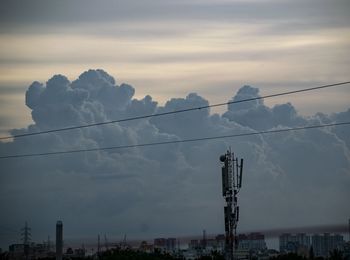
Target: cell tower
{"points": [[231, 184]]}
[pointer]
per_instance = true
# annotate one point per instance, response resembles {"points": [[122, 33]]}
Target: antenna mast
{"points": [[231, 185]]}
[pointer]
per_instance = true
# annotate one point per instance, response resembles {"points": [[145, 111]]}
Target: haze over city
{"points": [[73, 63]]}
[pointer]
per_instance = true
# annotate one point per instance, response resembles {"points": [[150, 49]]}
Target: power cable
{"points": [[174, 112], [174, 141]]}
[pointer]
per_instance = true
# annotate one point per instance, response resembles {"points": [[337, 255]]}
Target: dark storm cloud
{"points": [[291, 179]]}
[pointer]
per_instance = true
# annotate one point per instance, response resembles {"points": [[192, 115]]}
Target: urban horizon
{"points": [[273, 234]]}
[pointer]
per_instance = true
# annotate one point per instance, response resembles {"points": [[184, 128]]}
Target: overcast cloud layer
{"points": [[290, 179]]}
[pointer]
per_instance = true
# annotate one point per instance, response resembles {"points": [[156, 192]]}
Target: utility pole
{"points": [[231, 184]]}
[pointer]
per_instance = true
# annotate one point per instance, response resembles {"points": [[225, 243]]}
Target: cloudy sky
{"points": [[159, 56]]}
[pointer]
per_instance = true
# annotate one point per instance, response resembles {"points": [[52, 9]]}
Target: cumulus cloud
{"points": [[290, 179], [256, 115]]}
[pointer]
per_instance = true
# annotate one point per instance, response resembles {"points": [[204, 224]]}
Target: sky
{"points": [[125, 58]]}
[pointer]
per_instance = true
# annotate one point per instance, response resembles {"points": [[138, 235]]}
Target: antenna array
{"points": [[231, 172]]}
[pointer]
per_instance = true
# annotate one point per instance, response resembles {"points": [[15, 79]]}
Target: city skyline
{"points": [[300, 242], [271, 236]]}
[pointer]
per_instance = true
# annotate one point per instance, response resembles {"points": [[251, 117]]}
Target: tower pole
{"points": [[231, 185], [59, 240]]}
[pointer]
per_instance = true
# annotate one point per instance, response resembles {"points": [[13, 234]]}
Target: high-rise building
{"points": [[252, 241], [59, 240], [165, 244], [171, 244], [303, 240], [324, 244], [317, 244], [292, 243]]}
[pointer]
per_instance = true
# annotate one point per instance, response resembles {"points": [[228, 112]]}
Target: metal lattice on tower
{"points": [[231, 184], [26, 237], [26, 234]]}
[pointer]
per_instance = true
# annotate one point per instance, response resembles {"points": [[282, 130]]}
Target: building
{"points": [[324, 244], [165, 244], [346, 250], [289, 243], [301, 243], [252, 241], [16, 251], [160, 244], [194, 244], [171, 244], [29, 251], [59, 240], [220, 242], [145, 247]]}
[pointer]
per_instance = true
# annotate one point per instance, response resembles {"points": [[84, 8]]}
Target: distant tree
{"points": [[335, 255], [215, 255], [126, 254], [290, 256], [311, 253]]}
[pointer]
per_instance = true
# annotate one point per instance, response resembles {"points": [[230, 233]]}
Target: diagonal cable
{"points": [[174, 141]]}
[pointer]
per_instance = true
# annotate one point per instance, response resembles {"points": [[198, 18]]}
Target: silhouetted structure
{"points": [[324, 244], [59, 240], [252, 241], [26, 237], [165, 244], [231, 185], [292, 243]]}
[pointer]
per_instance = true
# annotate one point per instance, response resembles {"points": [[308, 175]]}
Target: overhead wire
{"points": [[173, 141], [174, 112]]}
